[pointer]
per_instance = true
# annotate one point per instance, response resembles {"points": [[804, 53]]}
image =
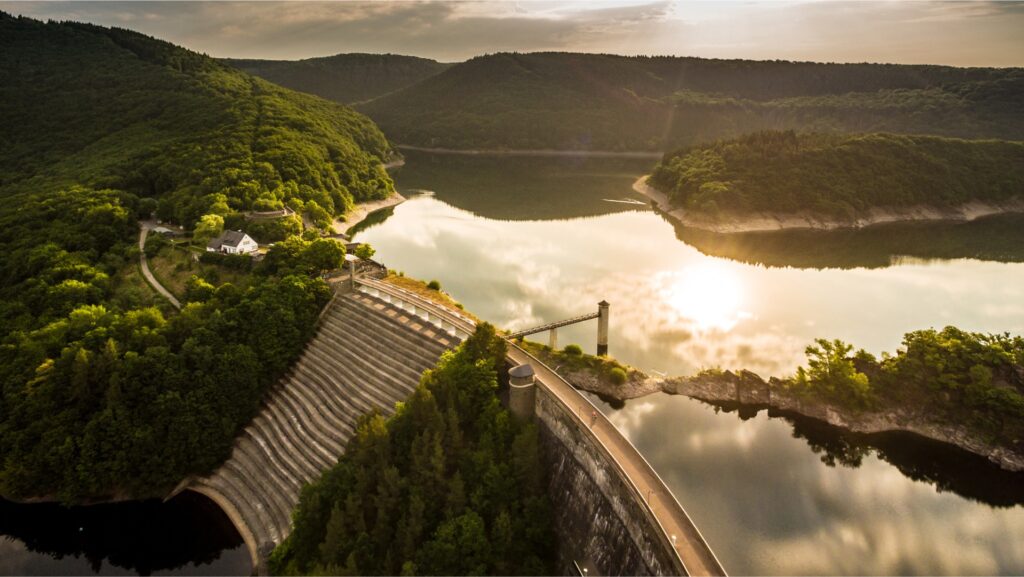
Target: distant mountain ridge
{"points": [[344, 78], [608, 102]]}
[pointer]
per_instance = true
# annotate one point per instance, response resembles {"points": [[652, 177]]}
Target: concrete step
{"points": [[329, 392], [371, 328], [278, 459], [256, 518], [319, 422], [287, 418], [280, 483], [263, 490], [384, 315], [375, 385], [279, 436], [406, 360], [388, 310]]}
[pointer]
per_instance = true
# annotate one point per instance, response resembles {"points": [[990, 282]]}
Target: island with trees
{"points": [[961, 388], [773, 180]]}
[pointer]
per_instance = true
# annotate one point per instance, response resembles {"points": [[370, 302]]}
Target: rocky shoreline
{"points": [[749, 390], [766, 222]]}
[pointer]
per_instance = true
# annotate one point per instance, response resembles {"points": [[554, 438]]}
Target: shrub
{"points": [[434, 285], [617, 375], [573, 350]]}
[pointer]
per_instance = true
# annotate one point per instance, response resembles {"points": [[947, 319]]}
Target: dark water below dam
{"points": [[188, 535]]}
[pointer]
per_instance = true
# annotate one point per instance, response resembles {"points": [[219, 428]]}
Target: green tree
{"points": [[831, 371], [365, 251], [208, 228]]}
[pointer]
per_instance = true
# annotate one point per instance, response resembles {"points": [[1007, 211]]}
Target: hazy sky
{"points": [[938, 32]]}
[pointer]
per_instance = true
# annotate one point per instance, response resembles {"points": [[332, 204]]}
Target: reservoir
{"points": [[525, 241]]}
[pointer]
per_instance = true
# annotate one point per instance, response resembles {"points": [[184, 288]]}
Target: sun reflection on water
{"points": [[707, 294]]}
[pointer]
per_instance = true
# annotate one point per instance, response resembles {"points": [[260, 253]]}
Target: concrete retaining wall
{"points": [[602, 524]]}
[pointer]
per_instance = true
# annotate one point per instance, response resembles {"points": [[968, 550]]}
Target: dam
{"points": [[612, 512]]}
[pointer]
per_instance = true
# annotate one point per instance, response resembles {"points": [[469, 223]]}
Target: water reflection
{"points": [[674, 309], [525, 188], [188, 535], [997, 238], [768, 505]]}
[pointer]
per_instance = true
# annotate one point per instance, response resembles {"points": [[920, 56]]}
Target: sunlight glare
{"points": [[708, 294]]}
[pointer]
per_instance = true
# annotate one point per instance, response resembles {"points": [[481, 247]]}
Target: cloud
{"points": [[985, 33]]}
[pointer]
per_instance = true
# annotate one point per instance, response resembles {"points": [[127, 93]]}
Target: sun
{"points": [[708, 294]]}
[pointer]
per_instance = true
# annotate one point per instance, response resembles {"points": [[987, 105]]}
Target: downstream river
{"points": [[524, 241]]}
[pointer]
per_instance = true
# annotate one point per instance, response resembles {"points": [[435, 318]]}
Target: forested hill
{"points": [[344, 77], [597, 101], [104, 391], [839, 177], [111, 108]]}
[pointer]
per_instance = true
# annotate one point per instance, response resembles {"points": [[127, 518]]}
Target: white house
{"points": [[233, 242]]}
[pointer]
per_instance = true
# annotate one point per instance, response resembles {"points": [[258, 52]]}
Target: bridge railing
{"points": [[554, 325], [713, 565]]}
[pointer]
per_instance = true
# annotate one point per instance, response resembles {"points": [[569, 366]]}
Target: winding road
{"points": [[143, 231]]}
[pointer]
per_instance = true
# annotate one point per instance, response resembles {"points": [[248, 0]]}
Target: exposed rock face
{"points": [[748, 389]]}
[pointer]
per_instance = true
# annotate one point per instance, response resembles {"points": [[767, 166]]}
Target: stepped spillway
{"points": [[367, 354]]}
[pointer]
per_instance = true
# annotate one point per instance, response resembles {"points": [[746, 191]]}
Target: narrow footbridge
{"points": [[602, 328]]}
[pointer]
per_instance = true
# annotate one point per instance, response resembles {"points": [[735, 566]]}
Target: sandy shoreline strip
{"points": [[766, 222], [536, 152]]}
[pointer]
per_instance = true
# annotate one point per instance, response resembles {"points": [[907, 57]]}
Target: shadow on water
{"points": [[526, 188], [373, 219], [180, 536], [946, 467], [996, 238]]}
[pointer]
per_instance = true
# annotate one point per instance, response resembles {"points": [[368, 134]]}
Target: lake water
{"points": [[524, 241]]}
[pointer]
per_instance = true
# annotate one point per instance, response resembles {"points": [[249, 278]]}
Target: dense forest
{"points": [[837, 176], [101, 395], [345, 78], [451, 484], [955, 376], [607, 102]]}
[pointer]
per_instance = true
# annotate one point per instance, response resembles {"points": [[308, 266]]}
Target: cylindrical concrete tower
{"points": [[602, 328], [522, 391]]}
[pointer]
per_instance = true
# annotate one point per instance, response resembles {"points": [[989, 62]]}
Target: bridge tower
{"points": [[602, 328]]}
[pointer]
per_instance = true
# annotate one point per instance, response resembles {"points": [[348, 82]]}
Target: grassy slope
{"points": [[344, 78], [839, 176], [591, 101]]}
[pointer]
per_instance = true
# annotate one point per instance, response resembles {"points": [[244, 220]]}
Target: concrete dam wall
{"points": [[367, 354], [601, 526], [613, 514]]}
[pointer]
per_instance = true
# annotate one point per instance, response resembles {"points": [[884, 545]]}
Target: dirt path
{"points": [[143, 231]]}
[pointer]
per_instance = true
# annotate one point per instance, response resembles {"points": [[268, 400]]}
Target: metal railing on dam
{"points": [[676, 531]]}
